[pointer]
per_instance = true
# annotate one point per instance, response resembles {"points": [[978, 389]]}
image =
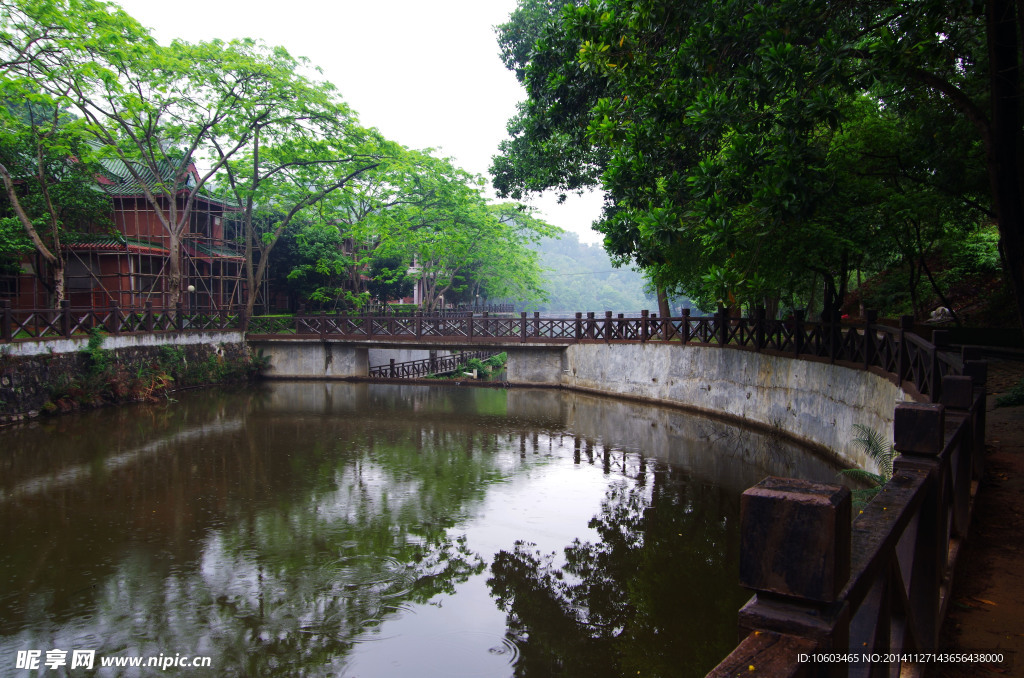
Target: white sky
{"points": [[426, 74]]}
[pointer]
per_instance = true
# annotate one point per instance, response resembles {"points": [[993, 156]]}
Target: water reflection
{"points": [[372, 530]]}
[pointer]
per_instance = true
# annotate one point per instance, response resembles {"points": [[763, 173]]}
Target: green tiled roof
{"points": [[124, 184], [106, 241], [208, 250]]}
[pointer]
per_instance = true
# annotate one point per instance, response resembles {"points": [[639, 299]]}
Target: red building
{"points": [[128, 262]]}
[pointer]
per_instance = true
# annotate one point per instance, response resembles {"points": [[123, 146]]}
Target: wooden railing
{"points": [[867, 597], [406, 310], [34, 324], [868, 594], [413, 369], [869, 344]]}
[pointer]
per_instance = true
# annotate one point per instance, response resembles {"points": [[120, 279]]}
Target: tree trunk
{"points": [[1004, 150], [54, 260], [664, 312], [174, 269]]}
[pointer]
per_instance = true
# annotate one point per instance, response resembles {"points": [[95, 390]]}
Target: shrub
{"points": [[1013, 397], [883, 454]]}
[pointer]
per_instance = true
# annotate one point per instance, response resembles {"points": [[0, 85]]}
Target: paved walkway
{"points": [[987, 610]]}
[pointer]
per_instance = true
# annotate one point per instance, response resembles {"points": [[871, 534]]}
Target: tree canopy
{"points": [[256, 130], [756, 153]]}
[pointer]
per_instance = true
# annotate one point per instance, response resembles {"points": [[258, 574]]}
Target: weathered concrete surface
{"points": [[312, 359], [814, 402], [119, 341], [736, 457], [535, 365], [40, 375]]}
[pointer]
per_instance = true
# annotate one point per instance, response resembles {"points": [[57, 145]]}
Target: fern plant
{"points": [[882, 453]]}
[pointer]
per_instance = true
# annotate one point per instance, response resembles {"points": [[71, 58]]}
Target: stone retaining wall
{"points": [[31, 371], [815, 402]]}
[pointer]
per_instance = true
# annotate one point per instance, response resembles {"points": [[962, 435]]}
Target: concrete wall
{"points": [[118, 341], [314, 359], [536, 366], [39, 375], [814, 402]]}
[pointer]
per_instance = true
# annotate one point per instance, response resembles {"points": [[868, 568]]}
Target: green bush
{"points": [[1013, 397], [883, 454]]}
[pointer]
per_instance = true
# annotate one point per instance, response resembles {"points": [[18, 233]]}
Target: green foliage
{"points": [[106, 380], [882, 454], [767, 152], [99, 360], [1013, 397], [389, 279]]}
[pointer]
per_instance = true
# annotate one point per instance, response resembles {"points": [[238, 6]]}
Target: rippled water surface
{"points": [[369, 530]]}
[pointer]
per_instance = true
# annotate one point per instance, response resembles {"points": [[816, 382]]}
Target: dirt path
{"points": [[987, 610]]}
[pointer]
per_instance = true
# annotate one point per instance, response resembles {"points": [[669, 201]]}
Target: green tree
{"points": [[51, 190], [723, 125], [302, 144], [453, 239]]}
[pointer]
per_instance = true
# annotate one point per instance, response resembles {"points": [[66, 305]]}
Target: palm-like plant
{"points": [[882, 453]]}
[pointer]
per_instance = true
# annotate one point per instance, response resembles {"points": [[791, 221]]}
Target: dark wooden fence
{"points": [[413, 369], [32, 324], [895, 350], [869, 594], [867, 597]]}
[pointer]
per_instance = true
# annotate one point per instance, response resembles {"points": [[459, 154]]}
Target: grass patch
{"points": [[1013, 397]]}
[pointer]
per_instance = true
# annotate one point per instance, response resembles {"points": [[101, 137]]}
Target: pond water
{"points": [[370, 530]]}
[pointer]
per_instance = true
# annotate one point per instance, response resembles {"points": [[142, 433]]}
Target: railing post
{"points": [[919, 434], [419, 324], [579, 326], [179, 319], [114, 318], [645, 330], [149, 316], [977, 369], [958, 399], [798, 331], [391, 370], [243, 319], [686, 325], [322, 325], [590, 324], [608, 325], [903, 357], [536, 323], [835, 336], [759, 317], [940, 340], [469, 325], [65, 318], [722, 330], [795, 555], [6, 321], [522, 326], [870, 346]]}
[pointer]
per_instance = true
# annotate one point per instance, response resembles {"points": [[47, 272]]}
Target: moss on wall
{"points": [[95, 376]]}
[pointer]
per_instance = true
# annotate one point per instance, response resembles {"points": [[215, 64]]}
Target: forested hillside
{"points": [[580, 277]]}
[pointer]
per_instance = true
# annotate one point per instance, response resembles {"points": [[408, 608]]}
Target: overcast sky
{"points": [[426, 74]]}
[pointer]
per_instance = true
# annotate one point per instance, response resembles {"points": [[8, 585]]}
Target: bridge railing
{"points": [[34, 324], [868, 344], [867, 597], [412, 369]]}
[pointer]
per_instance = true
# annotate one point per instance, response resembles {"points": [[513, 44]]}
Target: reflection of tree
{"points": [[656, 595]]}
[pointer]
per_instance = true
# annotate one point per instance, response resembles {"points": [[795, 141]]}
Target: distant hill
{"points": [[581, 277]]}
